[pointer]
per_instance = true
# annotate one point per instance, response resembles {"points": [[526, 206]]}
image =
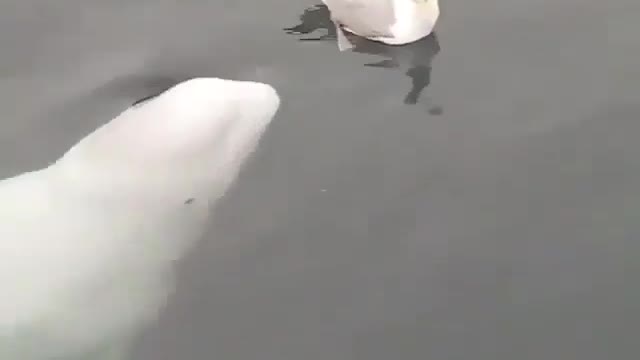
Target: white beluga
{"points": [[88, 244], [393, 22]]}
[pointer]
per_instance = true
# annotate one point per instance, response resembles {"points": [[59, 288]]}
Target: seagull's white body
{"points": [[87, 245], [393, 22]]}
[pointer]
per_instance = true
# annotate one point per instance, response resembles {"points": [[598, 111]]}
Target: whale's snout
{"points": [[200, 130]]}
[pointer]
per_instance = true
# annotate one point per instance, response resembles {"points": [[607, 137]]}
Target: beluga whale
{"points": [[88, 244]]}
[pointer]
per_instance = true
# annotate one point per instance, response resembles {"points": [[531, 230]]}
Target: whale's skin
{"points": [[89, 243]]}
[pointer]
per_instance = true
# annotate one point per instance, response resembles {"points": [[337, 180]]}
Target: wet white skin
{"points": [[88, 244]]}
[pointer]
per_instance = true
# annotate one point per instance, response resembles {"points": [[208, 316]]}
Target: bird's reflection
{"points": [[416, 56]]}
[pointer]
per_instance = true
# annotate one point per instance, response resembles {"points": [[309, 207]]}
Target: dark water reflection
{"points": [[416, 57]]}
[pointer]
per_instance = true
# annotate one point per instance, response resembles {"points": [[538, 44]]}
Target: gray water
{"points": [[478, 201]]}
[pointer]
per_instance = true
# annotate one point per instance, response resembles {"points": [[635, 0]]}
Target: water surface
{"points": [[492, 215]]}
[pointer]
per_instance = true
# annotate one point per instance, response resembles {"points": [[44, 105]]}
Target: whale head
{"points": [[90, 241], [190, 140]]}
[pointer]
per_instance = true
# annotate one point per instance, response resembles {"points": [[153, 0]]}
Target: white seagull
{"points": [[393, 22]]}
